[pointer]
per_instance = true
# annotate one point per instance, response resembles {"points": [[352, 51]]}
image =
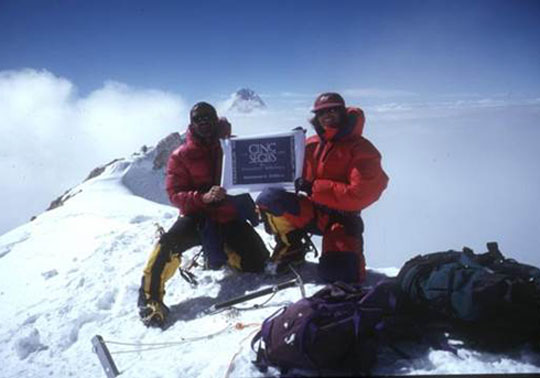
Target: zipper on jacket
{"points": [[321, 157], [217, 157], [320, 148], [326, 152]]}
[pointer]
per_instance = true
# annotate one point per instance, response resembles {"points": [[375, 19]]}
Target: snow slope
{"points": [[74, 272]]}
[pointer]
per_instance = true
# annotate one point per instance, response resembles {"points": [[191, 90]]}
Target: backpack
{"points": [[333, 331], [484, 290]]}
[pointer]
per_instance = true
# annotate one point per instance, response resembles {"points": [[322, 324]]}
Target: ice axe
{"points": [[270, 290]]}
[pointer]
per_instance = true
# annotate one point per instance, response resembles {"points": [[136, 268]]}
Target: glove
{"points": [[303, 185], [224, 128], [215, 195], [246, 208], [153, 314]]}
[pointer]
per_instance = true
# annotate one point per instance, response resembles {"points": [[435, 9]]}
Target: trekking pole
{"points": [[270, 290]]}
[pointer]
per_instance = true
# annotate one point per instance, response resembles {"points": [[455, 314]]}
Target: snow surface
{"points": [[74, 272]]}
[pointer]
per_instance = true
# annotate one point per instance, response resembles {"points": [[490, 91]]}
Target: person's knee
{"points": [[245, 249], [183, 235]]}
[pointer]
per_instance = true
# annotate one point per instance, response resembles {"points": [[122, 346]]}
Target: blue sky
{"points": [[451, 91], [429, 48]]}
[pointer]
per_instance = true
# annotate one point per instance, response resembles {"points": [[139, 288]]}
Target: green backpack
{"points": [[478, 289]]}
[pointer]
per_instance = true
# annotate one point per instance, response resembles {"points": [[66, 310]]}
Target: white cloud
{"points": [[297, 94], [445, 109], [52, 136], [32, 106], [377, 93], [123, 118]]}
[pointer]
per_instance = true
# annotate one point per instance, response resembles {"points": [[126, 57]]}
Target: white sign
{"points": [[258, 162]]}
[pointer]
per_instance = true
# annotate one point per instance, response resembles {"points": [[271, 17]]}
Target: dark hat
{"points": [[202, 108], [328, 100]]}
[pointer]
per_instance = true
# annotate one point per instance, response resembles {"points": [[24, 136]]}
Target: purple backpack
{"points": [[335, 330]]}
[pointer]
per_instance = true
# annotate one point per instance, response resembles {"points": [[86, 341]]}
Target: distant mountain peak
{"points": [[245, 100]]}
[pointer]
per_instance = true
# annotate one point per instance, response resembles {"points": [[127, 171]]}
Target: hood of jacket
{"points": [[353, 125]]}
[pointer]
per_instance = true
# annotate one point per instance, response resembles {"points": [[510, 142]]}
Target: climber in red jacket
{"points": [[342, 175], [209, 217]]}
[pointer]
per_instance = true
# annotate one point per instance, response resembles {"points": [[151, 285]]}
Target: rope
{"points": [[231, 364], [154, 346]]}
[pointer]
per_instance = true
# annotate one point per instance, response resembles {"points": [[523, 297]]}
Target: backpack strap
{"points": [[255, 339], [492, 257], [262, 362]]}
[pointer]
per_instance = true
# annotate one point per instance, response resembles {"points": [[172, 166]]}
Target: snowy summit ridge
{"points": [[143, 173], [244, 100], [74, 272]]}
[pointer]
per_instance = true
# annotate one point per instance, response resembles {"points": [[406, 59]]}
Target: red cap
{"points": [[328, 100]]}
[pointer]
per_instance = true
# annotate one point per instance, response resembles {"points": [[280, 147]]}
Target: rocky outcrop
{"points": [[62, 199], [164, 148], [145, 176], [99, 170]]}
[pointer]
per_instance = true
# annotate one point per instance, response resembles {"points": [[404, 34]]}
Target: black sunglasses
{"points": [[334, 109], [203, 118]]}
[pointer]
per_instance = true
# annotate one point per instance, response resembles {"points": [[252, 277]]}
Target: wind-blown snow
{"points": [[74, 272]]}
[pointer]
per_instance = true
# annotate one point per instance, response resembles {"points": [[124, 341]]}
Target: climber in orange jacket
{"points": [[342, 175]]}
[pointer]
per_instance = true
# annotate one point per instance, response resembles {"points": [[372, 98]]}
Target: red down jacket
{"points": [[192, 169], [346, 171]]}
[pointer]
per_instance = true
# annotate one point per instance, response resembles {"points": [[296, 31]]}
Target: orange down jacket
{"points": [[346, 171]]}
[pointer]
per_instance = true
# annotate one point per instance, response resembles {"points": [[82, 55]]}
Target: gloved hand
{"points": [[246, 208], [214, 195], [153, 314], [303, 185], [224, 128]]}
